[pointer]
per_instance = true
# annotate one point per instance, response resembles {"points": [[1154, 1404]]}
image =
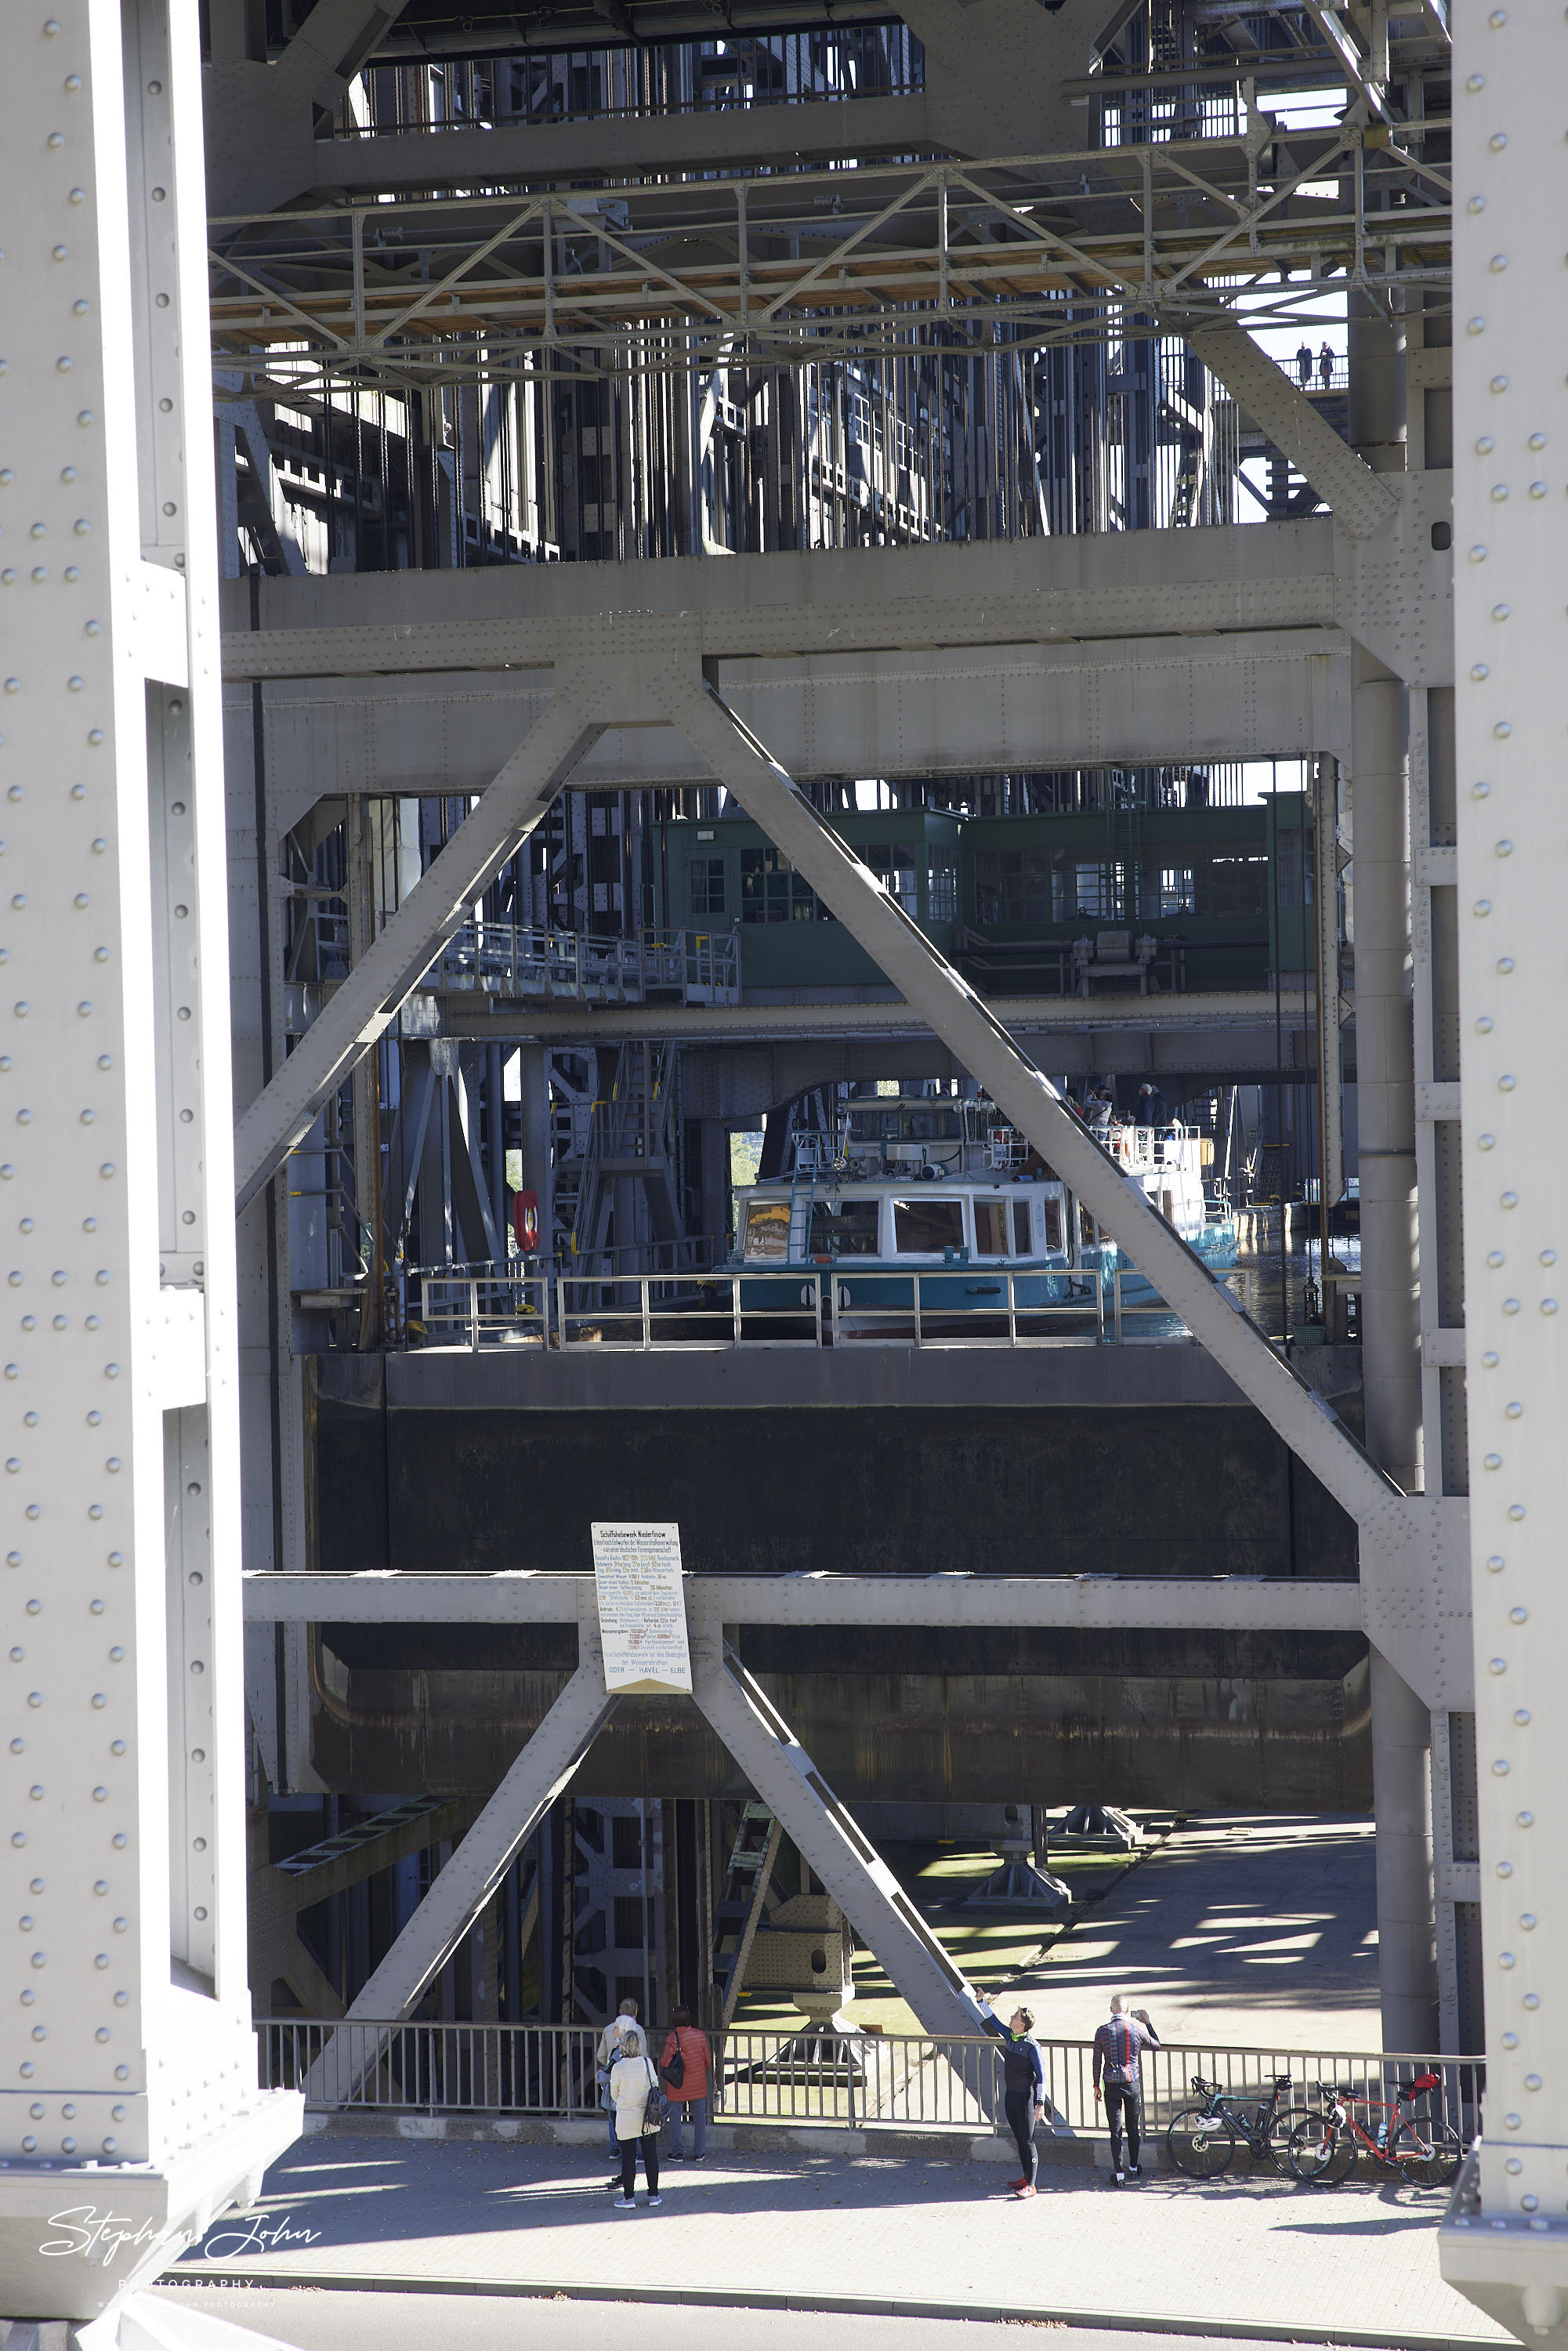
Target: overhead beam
{"points": [[1270, 693], [1361, 502], [1034, 592], [1249, 1014], [1086, 1603], [387, 974], [539, 154]]}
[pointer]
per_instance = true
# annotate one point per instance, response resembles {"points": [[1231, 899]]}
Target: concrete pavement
{"points": [[1235, 1932], [874, 2233]]}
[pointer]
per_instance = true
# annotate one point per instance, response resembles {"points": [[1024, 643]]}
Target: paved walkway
{"points": [[1252, 1933], [880, 2232], [307, 2321]]}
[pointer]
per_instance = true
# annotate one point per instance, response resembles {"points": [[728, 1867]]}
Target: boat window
{"points": [[844, 1228], [933, 1126], [991, 1228], [926, 1228], [767, 1229], [1021, 1228], [1053, 1240], [1085, 1224]]}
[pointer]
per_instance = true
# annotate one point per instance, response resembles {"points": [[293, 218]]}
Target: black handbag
{"points": [[675, 2073]]}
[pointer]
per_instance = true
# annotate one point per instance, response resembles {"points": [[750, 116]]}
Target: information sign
{"points": [[642, 1607]]}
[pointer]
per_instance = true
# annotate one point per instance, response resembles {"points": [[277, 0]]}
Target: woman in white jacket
{"points": [[632, 2081]]}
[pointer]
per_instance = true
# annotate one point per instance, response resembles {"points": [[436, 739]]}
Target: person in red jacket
{"points": [[689, 2095]]}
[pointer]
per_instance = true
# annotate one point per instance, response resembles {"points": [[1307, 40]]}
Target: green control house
{"points": [[1163, 901]]}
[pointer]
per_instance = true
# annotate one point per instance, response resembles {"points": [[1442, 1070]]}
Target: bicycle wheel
{"points": [[1276, 2146], [1199, 2143], [1320, 2153], [1429, 2153]]}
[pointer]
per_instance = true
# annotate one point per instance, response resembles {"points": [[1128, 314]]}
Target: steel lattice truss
{"points": [[785, 270]]}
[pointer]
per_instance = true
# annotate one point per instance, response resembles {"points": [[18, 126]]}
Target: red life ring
{"points": [[526, 1221]]}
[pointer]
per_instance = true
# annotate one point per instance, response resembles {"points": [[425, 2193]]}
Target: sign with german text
{"points": [[642, 1607]]}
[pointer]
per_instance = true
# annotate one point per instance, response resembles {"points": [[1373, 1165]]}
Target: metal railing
{"points": [[643, 1311], [458, 1309], [850, 2080], [960, 1306], [519, 959]]}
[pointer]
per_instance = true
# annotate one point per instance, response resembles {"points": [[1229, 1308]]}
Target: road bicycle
{"points": [[1201, 2140], [1421, 2148]]}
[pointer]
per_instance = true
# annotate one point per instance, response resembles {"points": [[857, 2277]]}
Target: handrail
{"points": [[766, 1305], [851, 2079]]}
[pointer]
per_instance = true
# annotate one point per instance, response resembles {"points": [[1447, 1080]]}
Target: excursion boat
{"points": [[947, 1191]]}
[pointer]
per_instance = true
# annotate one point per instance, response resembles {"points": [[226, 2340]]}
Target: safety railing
{"points": [[643, 1311], [478, 1310], [1140, 1313], [971, 1305], [852, 2080], [520, 960], [961, 1306]]}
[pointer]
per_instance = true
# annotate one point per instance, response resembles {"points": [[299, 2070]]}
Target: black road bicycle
{"points": [[1422, 2148], [1201, 2140]]}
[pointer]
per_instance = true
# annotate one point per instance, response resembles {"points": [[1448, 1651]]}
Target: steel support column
{"points": [[126, 2061], [1402, 1812], [1508, 2249], [1390, 1290]]}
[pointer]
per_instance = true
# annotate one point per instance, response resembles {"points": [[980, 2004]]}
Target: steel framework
{"points": [[1025, 252]]}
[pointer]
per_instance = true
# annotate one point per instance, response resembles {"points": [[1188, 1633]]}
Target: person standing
{"points": [[689, 2095], [632, 2082], [608, 2049], [1326, 366], [1304, 364], [1119, 2046], [1023, 2086]]}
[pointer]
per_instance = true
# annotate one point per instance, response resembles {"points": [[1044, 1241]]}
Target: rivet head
{"points": [[1516, 1511], [1505, 965], [1481, 907], [1503, 848], [1486, 1143], [1497, 1666], [1549, 1306], [1499, 1772]]}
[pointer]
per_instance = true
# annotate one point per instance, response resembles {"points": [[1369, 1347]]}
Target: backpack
{"points": [[675, 2073], [657, 2113]]}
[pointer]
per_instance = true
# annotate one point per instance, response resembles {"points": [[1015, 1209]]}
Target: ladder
{"points": [[803, 1188], [739, 1904]]}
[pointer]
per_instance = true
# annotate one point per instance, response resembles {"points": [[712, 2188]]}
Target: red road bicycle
{"points": [[1422, 2148]]}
